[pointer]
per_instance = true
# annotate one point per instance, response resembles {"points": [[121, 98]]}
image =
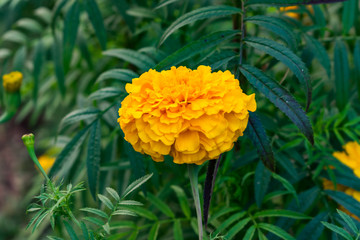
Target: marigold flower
{"points": [[350, 157], [288, 11], [192, 115], [46, 162], [12, 81]]}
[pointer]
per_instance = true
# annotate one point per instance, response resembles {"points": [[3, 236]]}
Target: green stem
{"points": [[193, 174], [36, 161]]}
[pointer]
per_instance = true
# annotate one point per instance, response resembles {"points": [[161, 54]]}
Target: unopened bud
{"points": [[12, 81]]}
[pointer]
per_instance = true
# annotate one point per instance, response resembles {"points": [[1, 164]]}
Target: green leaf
{"points": [[131, 203], [106, 201], [164, 3], [194, 48], [159, 204], [96, 221], [276, 230], [33, 219], [140, 60], [123, 75], [178, 235], [320, 53], [184, 204], [30, 25], [71, 25], [154, 231], [346, 201], [280, 97], [280, 213], [79, 115], [348, 15], [261, 182], [85, 231], [250, 233], [287, 57], [278, 26], [314, 229], [38, 66], [141, 212], [348, 220], [71, 147], [290, 2], [39, 220], [14, 36], [357, 65], [256, 132], [141, 12], [95, 211], [136, 184], [198, 14], [287, 185], [57, 11], [338, 230], [237, 228], [124, 212], [342, 75], [227, 223], [113, 193], [93, 158], [122, 6], [107, 92], [59, 68], [96, 20], [19, 59]]}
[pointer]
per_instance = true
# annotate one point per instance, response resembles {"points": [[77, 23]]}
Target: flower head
{"points": [[192, 115], [46, 162], [350, 157], [12, 81], [289, 11]]}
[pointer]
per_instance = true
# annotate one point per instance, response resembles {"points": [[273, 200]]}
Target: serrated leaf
{"points": [[123, 75], [261, 183], [78, 115], [198, 14], [131, 203], [70, 231], [184, 204], [59, 68], [256, 132], [124, 212], [287, 57], [287, 185], [164, 3], [72, 146], [280, 97], [154, 231], [113, 193], [237, 228], [357, 65], [107, 92], [338, 230], [159, 204], [96, 221], [346, 201], [314, 229], [276, 230], [136, 184], [39, 220], [95, 211], [33, 219], [320, 53], [141, 212], [140, 60], [97, 21], [348, 220], [227, 223], [348, 15], [277, 26], [194, 48], [141, 12], [281, 213], [178, 235], [84, 231], [290, 2], [342, 75], [71, 25], [250, 233], [106, 201]]}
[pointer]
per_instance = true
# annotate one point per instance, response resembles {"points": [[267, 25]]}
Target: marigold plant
{"points": [[350, 157], [192, 115], [12, 81]]}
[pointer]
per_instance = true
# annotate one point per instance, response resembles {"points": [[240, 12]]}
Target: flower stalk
{"points": [[29, 141], [193, 174]]}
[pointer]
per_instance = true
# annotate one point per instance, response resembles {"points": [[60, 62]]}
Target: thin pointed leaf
{"points": [[338, 230], [154, 231], [107, 92], [123, 75], [97, 21], [38, 65], [287, 57], [280, 213], [106, 201], [184, 204], [178, 234], [59, 68], [237, 228], [348, 220], [276, 230], [163, 207], [314, 229], [290, 2], [320, 53], [113, 193], [198, 14], [136, 184], [281, 98], [78, 115], [346, 201], [95, 211], [342, 75], [70, 231], [261, 183], [140, 60], [194, 48]]}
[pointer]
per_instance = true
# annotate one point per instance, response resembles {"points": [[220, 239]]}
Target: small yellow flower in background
{"points": [[287, 11], [12, 81], [46, 162], [192, 115], [350, 157]]}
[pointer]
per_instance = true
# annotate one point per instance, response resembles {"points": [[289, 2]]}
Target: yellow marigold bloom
{"points": [[287, 11], [46, 162], [350, 157], [12, 81], [191, 115]]}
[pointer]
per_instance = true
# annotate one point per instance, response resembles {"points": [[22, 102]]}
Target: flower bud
{"points": [[12, 81], [28, 140]]}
